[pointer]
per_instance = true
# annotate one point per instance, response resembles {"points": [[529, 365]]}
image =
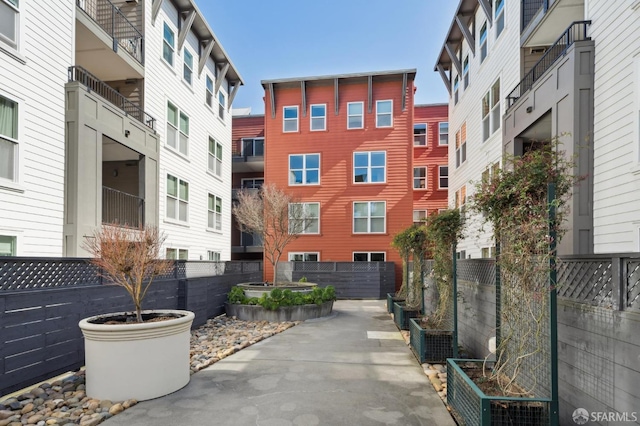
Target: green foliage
{"points": [[278, 297], [236, 295], [303, 280], [411, 241]]}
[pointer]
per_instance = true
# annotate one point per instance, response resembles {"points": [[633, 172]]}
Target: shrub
{"points": [[278, 297]]}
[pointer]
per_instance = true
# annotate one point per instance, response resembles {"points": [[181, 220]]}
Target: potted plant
{"points": [[139, 354]]}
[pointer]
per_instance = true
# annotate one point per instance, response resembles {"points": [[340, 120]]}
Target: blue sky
{"points": [[269, 39]]}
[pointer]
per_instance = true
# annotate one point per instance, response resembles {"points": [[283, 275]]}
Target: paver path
{"points": [[350, 369]]}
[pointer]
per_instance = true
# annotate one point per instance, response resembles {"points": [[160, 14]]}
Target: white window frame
{"points": [[290, 120], [420, 135], [424, 178], [491, 119], [222, 104], [306, 217], [315, 118], [369, 217], [209, 90], [461, 151], [441, 133], [180, 253], [177, 143], [369, 167], [187, 70], [350, 115], [171, 46], [214, 214], [384, 114], [214, 163], [465, 72], [253, 146], [483, 42], [422, 215], [304, 169], [499, 16], [369, 253], [304, 255], [13, 45], [456, 91], [440, 177], [14, 243], [253, 183], [213, 255], [15, 142], [178, 199]]}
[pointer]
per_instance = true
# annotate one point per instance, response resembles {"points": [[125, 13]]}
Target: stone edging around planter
{"points": [[284, 313]]}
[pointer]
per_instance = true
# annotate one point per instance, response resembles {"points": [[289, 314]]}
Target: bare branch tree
{"points": [[277, 217]]}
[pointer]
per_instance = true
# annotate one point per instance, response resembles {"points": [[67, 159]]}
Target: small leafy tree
{"points": [[412, 241], [275, 216], [129, 258]]}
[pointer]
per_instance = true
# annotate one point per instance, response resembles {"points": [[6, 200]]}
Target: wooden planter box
{"points": [[430, 345], [401, 315], [391, 298], [471, 406]]}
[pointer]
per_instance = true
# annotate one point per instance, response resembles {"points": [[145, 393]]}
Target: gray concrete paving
{"points": [[350, 369]]}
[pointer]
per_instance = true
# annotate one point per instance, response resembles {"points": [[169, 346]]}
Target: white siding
{"points": [[32, 209], [615, 30], [164, 83]]}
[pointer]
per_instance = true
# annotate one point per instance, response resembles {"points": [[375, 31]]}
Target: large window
{"points": [[304, 257], [483, 42], [420, 177], [465, 72], [10, 22], [491, 111], [177, 199], [384, 113], [252, 147], [222, 104], [355, 115], [419, 216], [7, 245], [419, 135], [461, 145], [443, 177], [176, 253], [304, 218], [214, 213], [177, 129], [209, 96], [167, 44], [252, 183], [187, 68], [369, 167], [498, 8], [8, 138], [443, 133], [290, 119], [369, 217], [304, 169], [215, 157], [319, 117], [368, 256]]}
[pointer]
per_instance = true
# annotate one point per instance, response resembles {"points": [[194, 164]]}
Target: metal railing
{"points": [[577, 31], [530, 9], [93, 83], [121, 208], [111, 19]]}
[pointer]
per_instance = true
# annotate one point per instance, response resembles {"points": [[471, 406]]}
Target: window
{"points": [[252, 183], [213, 255], [187, 68], [483, 42], [491, 111], [214, 213], [419, 135], [215, 157], [384, 116], [318, 117], [461, 145], [253, 147], [461, 197], [7, 245], [209, 96], [419, 216], [499, 16], [355, 115], [222, 104], [177, 129], [304, 169], [10, 22], [290, 120], [369, 217], [443, 133], [177, 199], [368, 256], [8, 138], [465, 72], [174, 253], [304, 218], [304, 257], [420, 177], [443, 177], [456, 84], [485, 252], [369, 167], [168, 44]]}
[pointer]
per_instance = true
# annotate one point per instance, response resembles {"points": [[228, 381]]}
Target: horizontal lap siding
{"points": [[246, 127]]}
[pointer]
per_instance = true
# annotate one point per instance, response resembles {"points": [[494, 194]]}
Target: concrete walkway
{"points": [[350, 369]]}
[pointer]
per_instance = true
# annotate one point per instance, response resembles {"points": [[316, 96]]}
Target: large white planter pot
{"points": [[141, 361]]}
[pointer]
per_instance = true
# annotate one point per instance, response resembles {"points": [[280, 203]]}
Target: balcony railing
{"points": [[577, 31], [109, 17], [530, 9], [121, 208], [93, 83]]}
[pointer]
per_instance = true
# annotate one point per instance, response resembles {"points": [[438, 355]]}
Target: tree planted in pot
{"points": [[126, 357]]}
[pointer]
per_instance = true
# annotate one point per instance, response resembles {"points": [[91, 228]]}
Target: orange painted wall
{"points": [[432, 155], [337, 192], [249, 126]]}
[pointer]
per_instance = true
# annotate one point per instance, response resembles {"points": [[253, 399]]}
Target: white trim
{"points": [[173, 47], [486, 41], [369, 253], [184, 64], [439, 134], [440, 166], [177, 198], [217, 217], [206, 91], [361, 115], [178, 250], [368, 167], [368, 217], [178, 131], [253, 139], [425, 211], [304, 168], [304, 206], [303, 253], [15, 233], [18, 21], [243, 180], [426, 135], [378, 114], [426, 178], [285, 120], [15, 184], [311, 117]]}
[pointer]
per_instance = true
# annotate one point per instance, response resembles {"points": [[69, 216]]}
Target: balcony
{"points": [[120, 208], [541, 18], [243, 163], [248, 244]]}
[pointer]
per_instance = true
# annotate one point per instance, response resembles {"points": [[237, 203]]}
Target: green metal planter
{"points": [[391, 298], [401, 315], [430, 345]]}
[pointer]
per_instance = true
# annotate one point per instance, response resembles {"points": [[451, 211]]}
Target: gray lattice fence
{"points": [[632, 284], [478, 271], [18, 273], [586, 280]]}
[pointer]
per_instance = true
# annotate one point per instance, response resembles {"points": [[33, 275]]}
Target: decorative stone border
{"points": [[284, 313]]}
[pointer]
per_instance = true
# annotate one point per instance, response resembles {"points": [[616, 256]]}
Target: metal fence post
{"points": [[455, 301], [498, 294], [553, 307]]}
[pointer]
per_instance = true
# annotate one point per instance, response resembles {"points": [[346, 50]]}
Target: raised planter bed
{"points": [[473, 407], [401, 315], [258, 289], [284, 313], [391, 298], [430, 345]]}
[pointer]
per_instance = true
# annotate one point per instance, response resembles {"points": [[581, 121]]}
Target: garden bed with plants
{"points": [[429, 345]]}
